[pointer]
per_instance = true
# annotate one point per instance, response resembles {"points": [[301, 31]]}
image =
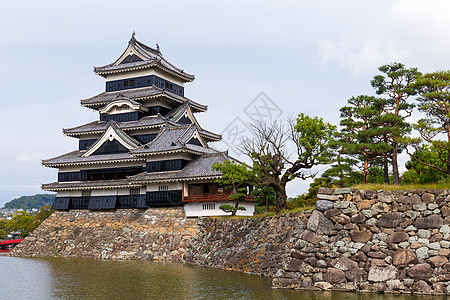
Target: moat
{"points": [[62, 278]]}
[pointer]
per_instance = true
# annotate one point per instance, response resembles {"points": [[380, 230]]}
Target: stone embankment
{"points": [[158, 234], [370, 241]]}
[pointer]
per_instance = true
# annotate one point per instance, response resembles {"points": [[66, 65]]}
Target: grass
{"points": [[391, 187], [267, 214]]}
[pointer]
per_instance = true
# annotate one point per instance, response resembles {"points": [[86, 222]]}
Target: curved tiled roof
{"points": [[76, 158], [139, 94], [197, 169], [100, 126]]}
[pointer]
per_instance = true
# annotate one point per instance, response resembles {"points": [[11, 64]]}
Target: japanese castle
{"points": [[147, 149]]}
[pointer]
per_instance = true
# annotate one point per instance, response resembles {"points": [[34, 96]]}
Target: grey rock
{"points": [[342, 204], [342, 191], [319, 223], [368, 213], [412, 214], [324, 205], [422, 252], [329, 197], [385, 197], [424, 233], [420, 207], [325, 191]]}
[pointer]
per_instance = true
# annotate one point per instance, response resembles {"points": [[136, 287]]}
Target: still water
{"points": [[60, 278]]}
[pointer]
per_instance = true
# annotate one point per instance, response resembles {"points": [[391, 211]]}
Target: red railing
{"points": [[9, 242], [212, 197]]}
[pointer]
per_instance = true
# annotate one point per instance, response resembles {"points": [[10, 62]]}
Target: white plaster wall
{"points": [[195, 209], [172, 186], [68, 194]]}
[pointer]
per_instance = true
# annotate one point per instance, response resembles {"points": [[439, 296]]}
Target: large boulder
{"points": [[403, 258], [319, 224], [420, 272], [334, 276], [343, 263], [361, 236], [382, 274], [391, 220], [324, 205], [433, 221]]}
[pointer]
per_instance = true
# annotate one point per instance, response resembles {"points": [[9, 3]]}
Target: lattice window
{"points": [[136, 191], [163, 188], [206, 206], [86, 193]]}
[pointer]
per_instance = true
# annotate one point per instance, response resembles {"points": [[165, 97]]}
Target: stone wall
{"points": [[159, 234], [370, 241]]}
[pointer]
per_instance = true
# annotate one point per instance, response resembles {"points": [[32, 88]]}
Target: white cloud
{"points": [[411, 32]]}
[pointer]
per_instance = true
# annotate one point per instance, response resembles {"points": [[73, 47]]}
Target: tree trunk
{"points": [[267, 204], [395, 173], [236, 205], [280, 193], [386, 170], [366, 172]]}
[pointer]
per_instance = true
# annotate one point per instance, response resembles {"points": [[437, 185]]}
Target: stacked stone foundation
{"points": [[367, 241], [154, 234]]}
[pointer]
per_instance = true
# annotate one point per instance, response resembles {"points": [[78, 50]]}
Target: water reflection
{"points": [[58, 278]]}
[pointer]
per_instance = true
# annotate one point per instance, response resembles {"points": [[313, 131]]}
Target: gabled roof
{"points": [[139, 94], [113, 133], [185, 111], [97, 127], [139, 56], [121, 101], [174, 139], [197, 169]]}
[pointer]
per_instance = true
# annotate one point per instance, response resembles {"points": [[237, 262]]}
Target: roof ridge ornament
{"points": [[157, 48]]}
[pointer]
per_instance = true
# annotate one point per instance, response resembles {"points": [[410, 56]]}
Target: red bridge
{"points": [[6, 245]]}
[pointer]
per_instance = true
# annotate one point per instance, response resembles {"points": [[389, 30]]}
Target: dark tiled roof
{"points": [[100, 126], [198, 168], [75, 157], [88, 185], [152, 57], [171, 139], [140, 94]]}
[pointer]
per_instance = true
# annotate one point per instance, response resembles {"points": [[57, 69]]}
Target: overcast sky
{"points": [[306, 56]]}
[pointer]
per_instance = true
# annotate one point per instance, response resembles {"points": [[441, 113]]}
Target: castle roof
{"points": [[197, 169], [139, 94], [139, 56], [175, 139], [76, 158], [89, 185], [100, 126]]}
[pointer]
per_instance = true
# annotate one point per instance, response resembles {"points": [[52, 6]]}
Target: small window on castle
{"points": [[85, 193], [125, 83], [135, 191], [171, 86], [206, 206], [163, 188], [131, 82]]}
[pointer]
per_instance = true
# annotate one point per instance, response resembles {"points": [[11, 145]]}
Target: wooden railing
{"points": [[212, 197]]}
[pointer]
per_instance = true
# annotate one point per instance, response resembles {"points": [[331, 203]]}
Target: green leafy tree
{"points": [[3, 229], [236, 176], [434, 101], [275, 165], [397, 84], [22, 222], [422, 173], [264, 195], [29, 202], [359, 133]]}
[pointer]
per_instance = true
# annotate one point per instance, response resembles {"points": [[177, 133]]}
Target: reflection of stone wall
{"points": [[160, 234], [371, 241]]}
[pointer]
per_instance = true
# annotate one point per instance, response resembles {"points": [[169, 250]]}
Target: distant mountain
{"points": [[28, 202]]}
